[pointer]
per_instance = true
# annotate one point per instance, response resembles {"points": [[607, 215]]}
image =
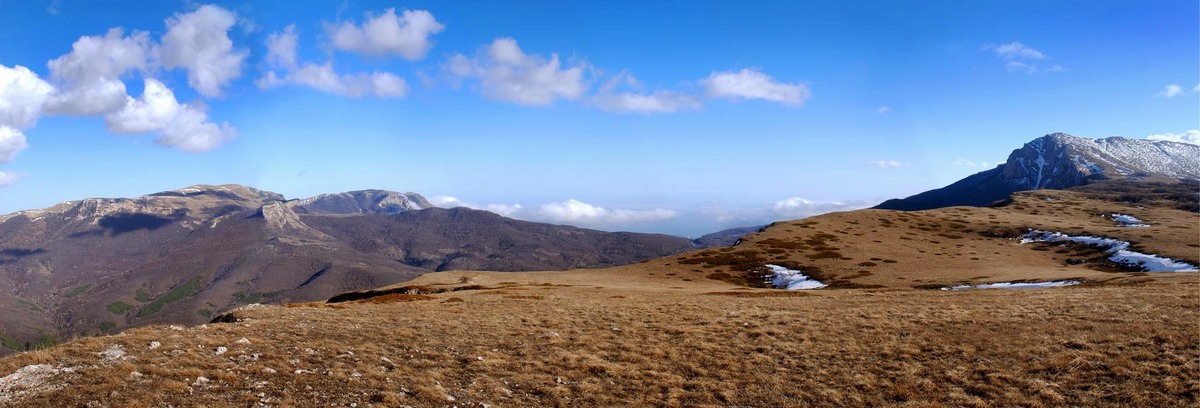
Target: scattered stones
{"points": [[269, 370], [243, 341], [30, 379], [220, 350], [200, 381], [113, 353], [154, 345]]}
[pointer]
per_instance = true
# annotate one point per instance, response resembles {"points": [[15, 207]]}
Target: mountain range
{"points": [[98, 265], [1060, 161]]}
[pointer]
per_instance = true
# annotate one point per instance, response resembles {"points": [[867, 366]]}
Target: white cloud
{"points": [[8, 178], [1015, 50], [325, 78], [575, 211], [22, 95], [406, 35], [89, 77], [796, 207], [888, 164], [507, 210], [1191, 136], [1196, 89], [199, 42], [181, 126], [752, 84], [281, 47], [507, 73], [1170, 91], [969, 163], [12, 141], [446, 202], [658, 102], [1023, 58], [883, 109], [281, 52]]}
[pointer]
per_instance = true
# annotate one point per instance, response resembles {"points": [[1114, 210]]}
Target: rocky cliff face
{"points": [[1060, 161]]}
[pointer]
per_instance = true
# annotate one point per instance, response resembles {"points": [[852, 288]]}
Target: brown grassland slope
{"points": [[679, 331]]}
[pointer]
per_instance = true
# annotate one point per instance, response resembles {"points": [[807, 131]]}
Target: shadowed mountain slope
{"points": [[98, 265]]}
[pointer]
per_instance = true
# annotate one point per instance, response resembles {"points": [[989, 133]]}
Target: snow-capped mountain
{"points": [[1059, 161]]}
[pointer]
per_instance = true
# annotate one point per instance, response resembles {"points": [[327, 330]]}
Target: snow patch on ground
{"points": [[1128, 221], [1117, 250], [790, 279], [1015, 285]]}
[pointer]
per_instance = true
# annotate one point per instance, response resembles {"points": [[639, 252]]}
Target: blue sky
{"points": [[675, 117]]}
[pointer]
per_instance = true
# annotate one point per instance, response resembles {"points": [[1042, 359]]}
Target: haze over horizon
{"points": [[677, 117]]}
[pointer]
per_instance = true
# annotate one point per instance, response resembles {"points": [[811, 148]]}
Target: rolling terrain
{"points": [[703, 329], [97, 266]]}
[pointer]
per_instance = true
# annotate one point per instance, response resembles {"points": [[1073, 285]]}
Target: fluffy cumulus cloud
{"points": [[1170, 91], [1019, 57], [12, 142], [575, 211], [797, 207], [22, 95], [507, 73], [199, 43], [752, 84], [507, 210], [89, 77], [281, 54], [180, 126], [883, 109], [406, 35], [1191, 136], [610, 99]]}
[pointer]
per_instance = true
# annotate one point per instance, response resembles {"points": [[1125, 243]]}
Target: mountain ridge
{"points": [[99, 265], [1060, 161]]}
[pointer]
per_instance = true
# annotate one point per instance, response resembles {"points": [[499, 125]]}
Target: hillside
{"points": [[701, 328], [465, 239], [1060, 161], [97, 266]]}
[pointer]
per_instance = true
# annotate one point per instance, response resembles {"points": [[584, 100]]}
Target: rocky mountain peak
{"points": [[361, 202], [1060, 161]]}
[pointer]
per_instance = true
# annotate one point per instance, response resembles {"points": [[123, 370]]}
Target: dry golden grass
{"points": [[949, 246], [558, 343], [676, 331]]}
